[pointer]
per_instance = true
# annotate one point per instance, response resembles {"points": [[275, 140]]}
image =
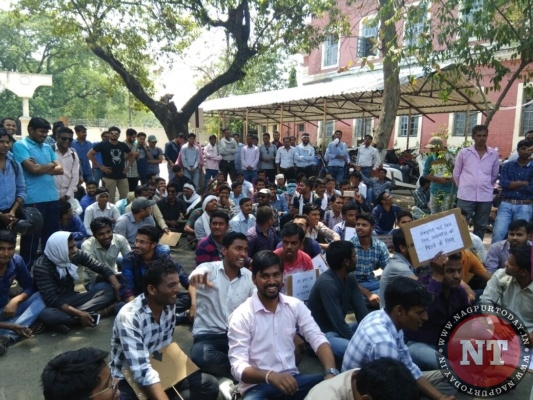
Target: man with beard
{"points": [[105, 247], [89, 198], [498, 252], [201, 226], [40, 165], [331, 294], [146, 325], [448, 297], [210, 247], [304, 157], [171, 207], [221, 287], [143, 256], [293, 259], [269, 320], [10, 125]]}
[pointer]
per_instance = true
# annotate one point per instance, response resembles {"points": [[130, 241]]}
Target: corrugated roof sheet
{"points": [[354, 96]]}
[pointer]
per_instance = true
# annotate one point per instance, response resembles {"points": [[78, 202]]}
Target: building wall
{"points": [[505, 127]]}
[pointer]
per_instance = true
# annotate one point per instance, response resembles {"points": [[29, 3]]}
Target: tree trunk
{"points": [[391, 76]]}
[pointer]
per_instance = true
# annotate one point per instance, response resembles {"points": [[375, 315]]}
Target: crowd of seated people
{"points": [[249, 236]]}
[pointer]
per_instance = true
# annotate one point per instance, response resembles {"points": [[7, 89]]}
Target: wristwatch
{"points": [[332, 371]]}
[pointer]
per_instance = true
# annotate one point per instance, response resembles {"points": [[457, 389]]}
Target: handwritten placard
{"points": [[387, 239], [299, 285], [446, 231], [319, 262]]}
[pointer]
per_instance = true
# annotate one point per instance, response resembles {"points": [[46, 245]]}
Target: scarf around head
{"points": [[205, 216], [57, 251], [193, 200]]}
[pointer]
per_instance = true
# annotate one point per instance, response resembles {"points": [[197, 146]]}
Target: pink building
{"points": [[340, 58]]}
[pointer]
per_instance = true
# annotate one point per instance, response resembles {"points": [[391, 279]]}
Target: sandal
{"points": [[37, 327]]}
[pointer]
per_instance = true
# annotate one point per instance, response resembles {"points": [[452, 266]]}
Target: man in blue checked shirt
{"points": [[380, 334]]}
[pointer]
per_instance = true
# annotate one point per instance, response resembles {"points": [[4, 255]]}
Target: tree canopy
{"points": [[132, 37]]}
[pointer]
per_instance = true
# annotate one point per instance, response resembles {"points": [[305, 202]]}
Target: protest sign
{"points": [[299, 285]]}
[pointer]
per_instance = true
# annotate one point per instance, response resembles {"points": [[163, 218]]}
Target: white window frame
{"points": [[325, 48], [363, 127], [468, 122], [413, 130], [407, 42], [362, 26]]}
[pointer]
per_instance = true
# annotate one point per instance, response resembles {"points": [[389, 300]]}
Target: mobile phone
{"points": [[96, 318]]}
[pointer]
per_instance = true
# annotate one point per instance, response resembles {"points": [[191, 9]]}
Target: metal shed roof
{"points": [[355, 96]]}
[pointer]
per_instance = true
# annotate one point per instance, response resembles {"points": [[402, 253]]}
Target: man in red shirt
{"points": [[293, 259]]}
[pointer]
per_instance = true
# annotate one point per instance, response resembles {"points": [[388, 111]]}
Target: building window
{"points": [[414, 25], [301, 127], [366, 43], [264, 129], [330, 52], [409, 129], [527, 118], [460, 123], [330, 128], [468, 12], [363, 127]]}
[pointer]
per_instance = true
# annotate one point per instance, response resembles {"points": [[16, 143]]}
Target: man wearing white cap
{"points": [[304, 157], [201, 226]]}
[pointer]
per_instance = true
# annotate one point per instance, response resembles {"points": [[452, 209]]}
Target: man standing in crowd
{"points": [[261, 335], [331, 294], [476, 171], [154, 156], [18, 313], [304, 157], [438, 169], [114, 156], [220, 288], [40, 165], [238, 160], [12, 183], [82, 147], [380, 335], [146, 325], [337, 157], [97, 172], [67, 183], [516, 180], [172, 151], [267, 157], [249, 159], [132, 172], [285, 160], [368, 157], [212, 159], [276, 142], [227, 148], [10, 125], [190, 158]]}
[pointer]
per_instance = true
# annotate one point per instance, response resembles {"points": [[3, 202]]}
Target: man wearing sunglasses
{"points": [[80, 374], [67, 183]]}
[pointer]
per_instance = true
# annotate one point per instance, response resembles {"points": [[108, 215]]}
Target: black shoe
{"points": [[5, 340], [3, 350], [63, 329]]}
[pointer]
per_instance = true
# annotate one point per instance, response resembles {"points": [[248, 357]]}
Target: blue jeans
{"points": [[88, 177], [423, 355], [210, 353], [338, 173], [366, 171], [264, 391], [249, 175], [210, 173], [372, 285], [27, 313], [339, 344], [507, 213], [29, 243], [480, 211], [98, 174], [194, 176]]}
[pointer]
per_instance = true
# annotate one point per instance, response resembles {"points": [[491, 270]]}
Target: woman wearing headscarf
{"points": [[55, 274]]}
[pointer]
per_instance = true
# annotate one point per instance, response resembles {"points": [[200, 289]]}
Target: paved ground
{"points": [[24, 362]]}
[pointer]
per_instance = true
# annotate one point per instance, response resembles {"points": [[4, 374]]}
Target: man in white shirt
{"points": [[368, 157], [67, 183], [304, 157], [285, 160], [244, 220], [221, 287], [249, 159], [261, 338], [100, 208]]}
